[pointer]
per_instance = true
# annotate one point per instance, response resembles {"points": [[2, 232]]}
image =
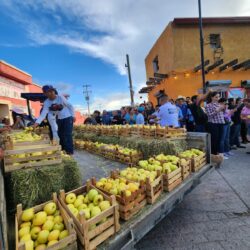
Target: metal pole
{"points": [[130, 81], [202, 49], [87, 92]]}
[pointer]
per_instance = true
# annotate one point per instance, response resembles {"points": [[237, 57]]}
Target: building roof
{"points": [[13, 67], [213, 20]]}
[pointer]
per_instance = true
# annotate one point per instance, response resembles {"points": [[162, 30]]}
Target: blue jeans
{"points": [[65, 129], [224, 140], [216, 131], [235, 134]]}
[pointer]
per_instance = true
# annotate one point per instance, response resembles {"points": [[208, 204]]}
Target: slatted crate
{"points": [[153, 189], [186, 169], [172, 180], [125, 131], [88, 236], [68, 243], [149, 131], [130, 158], [128, 206], [50, 155], [136, 130], [198, 162], [176, 132]]}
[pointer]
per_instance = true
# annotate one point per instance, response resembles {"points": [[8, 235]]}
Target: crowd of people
{"points": [[225, 119]]}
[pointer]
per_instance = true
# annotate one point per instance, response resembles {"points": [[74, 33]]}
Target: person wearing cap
{"points": [[58, 109]]}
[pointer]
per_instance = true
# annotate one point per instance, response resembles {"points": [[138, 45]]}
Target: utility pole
{"points": [[202, 49], [86, 93], [127, 65]]}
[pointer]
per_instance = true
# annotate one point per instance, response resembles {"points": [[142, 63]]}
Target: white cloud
{"points": [[113, 27]]}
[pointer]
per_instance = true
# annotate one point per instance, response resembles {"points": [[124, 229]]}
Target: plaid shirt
{"points": [[213, 115]]}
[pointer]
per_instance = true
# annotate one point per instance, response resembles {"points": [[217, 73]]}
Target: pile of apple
{"points": [[42, 229], [192, 152], [91, 204], [137, 175], [25, 136], [117, 186]]}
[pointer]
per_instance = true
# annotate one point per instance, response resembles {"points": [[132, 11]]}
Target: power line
{"points": [[86, 93]]}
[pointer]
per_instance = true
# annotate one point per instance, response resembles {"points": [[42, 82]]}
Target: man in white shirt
{"points": [[57, 106], [168, 113]]}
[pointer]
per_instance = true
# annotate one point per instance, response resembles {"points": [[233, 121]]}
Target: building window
{"points": [[215, 41], [156, 64]]}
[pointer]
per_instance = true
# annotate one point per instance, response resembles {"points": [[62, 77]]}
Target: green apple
{"points": [[34, 232], [23, 231], [104, 205], [43, 237], [58, 226], [86, 200], [75, 211], [63, 234], [39, 218], [28, 214], [25, 238], [53, 235], [58, 219], [48, 225], [95, 211], [50, 208], [92, 193], [91, 205], [70, 198], [78, 202], [98, 198], [70, 206]]}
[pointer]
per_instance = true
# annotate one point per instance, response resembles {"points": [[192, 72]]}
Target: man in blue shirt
{"points": [[57, 106], [180, 102]]}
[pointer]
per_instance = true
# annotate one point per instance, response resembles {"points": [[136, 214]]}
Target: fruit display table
{"points": [[135, 229]]}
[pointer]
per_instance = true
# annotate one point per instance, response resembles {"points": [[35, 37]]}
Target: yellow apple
{"points": [[98, 198], [25, 224], [86, 212], [50, 217], [81, 207], [43, 237], [70, 198], [29, 245], [48, 225], [23, 231], [34, 232], [41, 247], [58, 219], [63, 234], [50, 208], [58, 226], [78, 202], [80, 196], [53, 242], [54, 235], [104, 205], [92, 193], [95, 211], [28, 214], [39, 218], [25, 238], [56, 213]]}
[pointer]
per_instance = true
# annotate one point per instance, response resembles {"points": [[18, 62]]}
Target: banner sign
{"points": [[10, 88]]}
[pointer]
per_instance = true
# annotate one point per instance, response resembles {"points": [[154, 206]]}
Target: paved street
{"points": [[215, 215]]}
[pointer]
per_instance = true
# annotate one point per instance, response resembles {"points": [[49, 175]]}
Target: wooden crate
{"points": [[136, 131], [90, 239], [172, 179], [68, 243], [131, 159], [148, 132], [153, 189], [198, 162], [185, 169], [125, 130], [128, 206], [160, 132], [12, 163]]}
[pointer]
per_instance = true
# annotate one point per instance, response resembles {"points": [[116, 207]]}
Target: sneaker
{"points": [[241, 146], [225, 157], [229, 153]]}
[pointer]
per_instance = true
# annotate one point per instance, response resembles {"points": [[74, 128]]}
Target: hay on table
{"points": [[148, 147], [35, 186]]}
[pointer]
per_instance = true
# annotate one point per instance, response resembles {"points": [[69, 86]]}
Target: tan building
{"points": [[176, 55]]}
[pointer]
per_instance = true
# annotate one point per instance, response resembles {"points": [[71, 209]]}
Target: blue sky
{"points": [[71, 42]]}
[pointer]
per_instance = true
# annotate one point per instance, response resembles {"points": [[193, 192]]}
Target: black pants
{"points": [[216, 131], [65, 130], [243, 131]]}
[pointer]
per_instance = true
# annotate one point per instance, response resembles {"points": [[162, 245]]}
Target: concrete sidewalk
{"points": [[215, 215]]}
